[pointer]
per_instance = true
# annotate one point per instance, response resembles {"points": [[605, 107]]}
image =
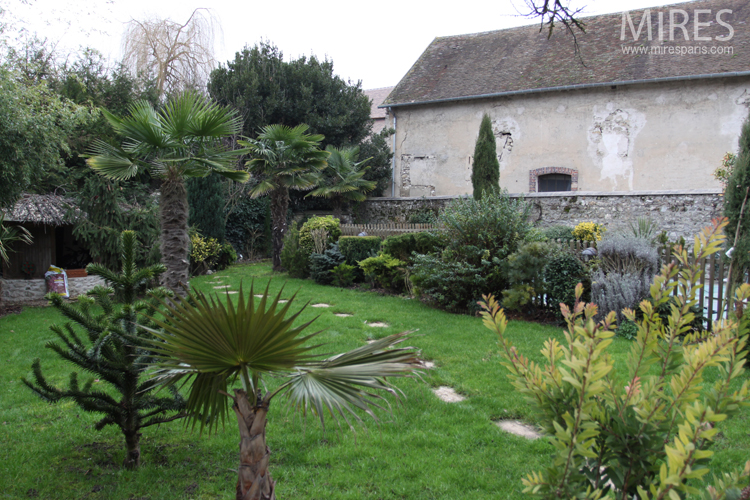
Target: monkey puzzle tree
{"points": [[104, 338], [183, 139], [209, 345], [283, 158]]}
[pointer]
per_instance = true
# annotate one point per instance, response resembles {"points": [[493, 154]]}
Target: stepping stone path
{"points": [[448, 394], [426, 364], [343, 315], [519, 429], [377, 324], [223, 286], [232, 293], [321, 305]]}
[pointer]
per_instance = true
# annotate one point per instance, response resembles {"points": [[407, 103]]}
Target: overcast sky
{"points": [[375, 42]]}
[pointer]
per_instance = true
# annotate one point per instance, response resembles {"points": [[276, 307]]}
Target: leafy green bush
{"points": [[403, 245], [558, 233], [248, 226], [423, 216], [562, 273], [227, 257], [343, 275], [385, 271], [356, 248], [294, 258], [478, 235], [646, 433], [329, 223], [321, 264], [451, 285], [524, 270]]}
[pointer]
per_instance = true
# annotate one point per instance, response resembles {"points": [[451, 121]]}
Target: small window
{"points": [[554, 182]]}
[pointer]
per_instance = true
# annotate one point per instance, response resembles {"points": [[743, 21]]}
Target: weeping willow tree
{"points": [[178, 56]]}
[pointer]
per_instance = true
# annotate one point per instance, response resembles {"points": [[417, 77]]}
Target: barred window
{"points": [[554, 182]]}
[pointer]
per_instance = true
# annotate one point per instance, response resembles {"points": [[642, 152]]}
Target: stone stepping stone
{"points": [[448, 394], [519, 429], [223, 286], [343, 315], [321, 305], [232, 293], [428, 365], [377, 324]]}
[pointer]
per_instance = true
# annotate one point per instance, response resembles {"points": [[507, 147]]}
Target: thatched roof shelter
{"points": [[48, 209]]}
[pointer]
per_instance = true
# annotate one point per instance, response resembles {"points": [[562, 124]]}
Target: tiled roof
{"points": [[377, 96], [523, 59]]}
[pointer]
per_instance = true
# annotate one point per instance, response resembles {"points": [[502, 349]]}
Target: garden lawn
{"points": [[422, 449]]}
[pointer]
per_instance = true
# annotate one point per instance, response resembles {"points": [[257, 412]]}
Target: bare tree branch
{"points": [[178, 56]]}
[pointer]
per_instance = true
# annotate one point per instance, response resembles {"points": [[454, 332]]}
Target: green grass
{"points": [[423, 449]]}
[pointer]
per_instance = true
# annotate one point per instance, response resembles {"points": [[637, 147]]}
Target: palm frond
{"points": [[202, 335], [345, 383]]}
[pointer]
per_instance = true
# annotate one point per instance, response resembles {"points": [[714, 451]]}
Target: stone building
{"points": [[652, 100]]}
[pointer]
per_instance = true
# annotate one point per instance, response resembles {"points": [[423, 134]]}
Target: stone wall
{"points": [[16, 291], [679, 213]]}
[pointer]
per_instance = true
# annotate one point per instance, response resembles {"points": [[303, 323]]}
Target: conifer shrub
{"points": [[248, 226], [344, 275], [105, 338], [356, 248], [321, 264], [294, 258], [646, 433], [206, 198], [485, 169], [328, 223], [385, 271], [734, 195]]}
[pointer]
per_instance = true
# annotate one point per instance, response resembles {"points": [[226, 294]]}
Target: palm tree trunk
{"points": [[279, 208], [254, 480], [173, 212]]}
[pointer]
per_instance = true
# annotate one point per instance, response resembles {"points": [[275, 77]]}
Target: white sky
{"points": [[375, 42]]}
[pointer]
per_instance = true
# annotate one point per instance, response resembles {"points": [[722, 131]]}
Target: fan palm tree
{"points": [[183, 139], [343, 179], [209, 344], [283, 158]]}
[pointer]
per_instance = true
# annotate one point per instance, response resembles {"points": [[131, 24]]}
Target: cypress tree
{"points": [[104, 340], [737, 187], [206, 201], [485, 171]]}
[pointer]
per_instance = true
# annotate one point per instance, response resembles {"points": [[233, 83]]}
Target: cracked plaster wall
{"points": [[638, 137]]}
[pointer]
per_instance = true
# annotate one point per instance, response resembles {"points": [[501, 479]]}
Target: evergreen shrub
{"points": [[402, 246], [294, 258], [477, 235], [321, 264], [524, 270], [589, 231], [344, 275], [558, 233], [385, 271], [485, 169], [248, 226], [328, 223], [561, 275], [356, 248]]}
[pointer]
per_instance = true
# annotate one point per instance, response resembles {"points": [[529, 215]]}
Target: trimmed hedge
{"points": [[403, 245], [356, 248]]}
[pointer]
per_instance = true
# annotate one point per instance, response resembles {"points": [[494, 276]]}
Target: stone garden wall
{"points": [[15, 291], [679, 213]]}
